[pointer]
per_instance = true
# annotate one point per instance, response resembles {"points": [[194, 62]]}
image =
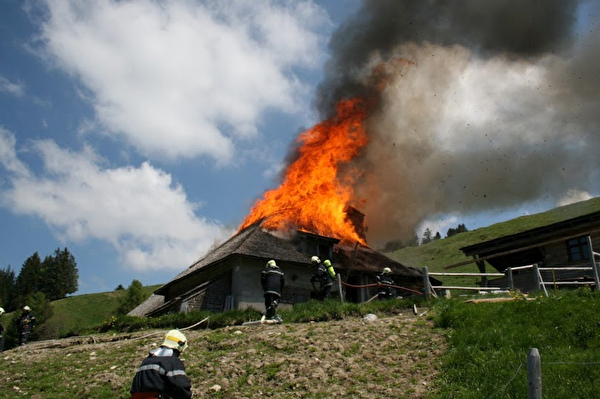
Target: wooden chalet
{"points": [[229, 276], [559, 246]]}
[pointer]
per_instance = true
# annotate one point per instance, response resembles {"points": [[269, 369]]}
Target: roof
{"points": [[256, 242]]}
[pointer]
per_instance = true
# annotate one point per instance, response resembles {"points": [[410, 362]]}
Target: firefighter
{"points": [[324, 276], [1, 331], [25, 325], [383, 281], [272, 280], [162, 373]]}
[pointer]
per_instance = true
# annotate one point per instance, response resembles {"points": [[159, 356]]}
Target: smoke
{"points": [[487, 105]]}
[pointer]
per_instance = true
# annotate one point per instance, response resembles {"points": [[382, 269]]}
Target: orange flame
{"points": [[315, 192]]}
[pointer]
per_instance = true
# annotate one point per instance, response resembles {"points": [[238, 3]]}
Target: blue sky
{"points": [[138, 134]]}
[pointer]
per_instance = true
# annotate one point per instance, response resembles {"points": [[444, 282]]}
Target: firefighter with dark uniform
{"points": [[384, 280], [162, 373], [324, 276], [25, 325], [272, 280]]}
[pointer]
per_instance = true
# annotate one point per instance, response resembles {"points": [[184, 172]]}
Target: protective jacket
{"points": [[322, 276], [162, 373], [385, 292], [26, 323], [272, 280]]}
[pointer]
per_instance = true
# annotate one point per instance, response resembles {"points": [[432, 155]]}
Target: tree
{"points": [[426, 236], [7, 289], [437, 235], [29, 279], [119, 287], [59, 274], [461, 228], [133, 297]]}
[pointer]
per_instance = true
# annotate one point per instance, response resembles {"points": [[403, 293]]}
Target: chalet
{"points": [[556, 248], [229, 276]]}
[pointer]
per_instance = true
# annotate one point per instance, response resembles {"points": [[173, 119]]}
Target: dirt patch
{"points": [[391, 357]]}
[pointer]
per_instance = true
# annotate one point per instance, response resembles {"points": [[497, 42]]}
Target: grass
{"points": [[489, 343], [79, 314], [487, 346]]}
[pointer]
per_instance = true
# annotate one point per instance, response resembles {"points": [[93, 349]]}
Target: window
{"points": [[578, 249]]}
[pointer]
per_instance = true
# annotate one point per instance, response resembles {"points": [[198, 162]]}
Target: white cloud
{"points": [[7, 86], [139, 210], [185, 78]]}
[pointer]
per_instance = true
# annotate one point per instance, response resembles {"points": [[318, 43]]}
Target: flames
{"points": [[318, 186]]}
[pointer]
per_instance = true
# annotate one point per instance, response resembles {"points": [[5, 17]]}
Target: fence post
{"points": [[426, 284], [534, 374], [511, 283], [536, 276], [594, 266]]}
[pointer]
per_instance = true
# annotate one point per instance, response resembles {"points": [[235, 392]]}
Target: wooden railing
{"points": [[539, 282]]}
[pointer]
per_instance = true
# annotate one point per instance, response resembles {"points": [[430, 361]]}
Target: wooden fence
{"points": [[539, 282]]}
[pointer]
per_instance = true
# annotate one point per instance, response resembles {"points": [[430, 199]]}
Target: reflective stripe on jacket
{"points": [[163, 372]]}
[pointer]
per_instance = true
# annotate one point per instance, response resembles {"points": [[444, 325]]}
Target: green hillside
{"points": [[78, 313], [439, 253]]}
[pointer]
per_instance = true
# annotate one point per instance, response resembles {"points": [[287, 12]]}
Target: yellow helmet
{"points": [[175, 339], [387, 270], [1, 311], [315, 259], [26, 308], [271, 263]]}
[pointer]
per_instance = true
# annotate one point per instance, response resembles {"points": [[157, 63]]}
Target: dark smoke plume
{"points": [[496, 105]]}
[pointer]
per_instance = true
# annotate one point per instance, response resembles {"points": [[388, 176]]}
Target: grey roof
{"points": [[254, 241], [153, 302]]}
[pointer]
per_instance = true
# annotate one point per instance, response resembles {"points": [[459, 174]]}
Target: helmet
{"points": [[387, 270], [271, 263], [1, 311], [174, 339], [327, 262], [26, 308], [315, 259]]}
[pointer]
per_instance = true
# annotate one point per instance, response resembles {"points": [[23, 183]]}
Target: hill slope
{"points": [[439, 253], [392, 357]]}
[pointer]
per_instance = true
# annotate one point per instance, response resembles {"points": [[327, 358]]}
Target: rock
{"points": [[215, 388]]}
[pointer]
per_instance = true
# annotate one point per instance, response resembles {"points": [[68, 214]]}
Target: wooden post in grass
{"points": [[536, 276], [534, 374], [594, 265], [511, 283], [426, 284]]}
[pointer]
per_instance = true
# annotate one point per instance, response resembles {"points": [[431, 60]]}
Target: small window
{"points": [[578, 249]]}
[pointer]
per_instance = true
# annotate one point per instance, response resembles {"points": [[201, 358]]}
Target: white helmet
{"points": [[174, 339], [26, 308], [387, 270], [315, 259], [1, 311], [271, 263]]}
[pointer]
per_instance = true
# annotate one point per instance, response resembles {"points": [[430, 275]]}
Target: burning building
{"points": [[310, 213]]}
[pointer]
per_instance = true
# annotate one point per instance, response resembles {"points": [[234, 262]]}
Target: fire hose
{"points": [[382, 285]]}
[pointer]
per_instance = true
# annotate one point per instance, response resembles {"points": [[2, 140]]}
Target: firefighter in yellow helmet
{"points": [[162, 373], [324, 276], [384, 283], [272, 281]]}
